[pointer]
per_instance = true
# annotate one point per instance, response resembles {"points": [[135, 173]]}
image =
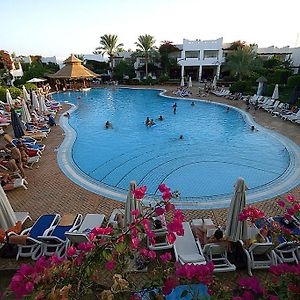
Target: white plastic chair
{"points": [[186, 249], [218, 255]]}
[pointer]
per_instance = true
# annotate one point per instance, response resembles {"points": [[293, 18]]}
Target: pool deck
{"points": [[50, 191]]}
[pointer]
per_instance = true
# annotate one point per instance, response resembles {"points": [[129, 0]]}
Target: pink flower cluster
{"points": [[25, 279], [285, 268], [148, 254], [139, 193], [251, 213], [200, 273], [175, 227], [166, 257], [166, 192]]}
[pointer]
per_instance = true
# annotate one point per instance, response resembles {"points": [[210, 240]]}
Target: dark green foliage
{"points": [[97, 66], [122, 69], [29, 86], [165, 60], [281, 76], [294, 81], [163, 78], [240, 87]]}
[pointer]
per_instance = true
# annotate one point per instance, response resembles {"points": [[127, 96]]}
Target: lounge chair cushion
{"points": [[191, 258], [59, 231], [43, 223], [67, 220]]}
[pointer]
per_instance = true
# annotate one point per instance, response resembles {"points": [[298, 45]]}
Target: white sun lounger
{"points": [[186, 249], [89, 222], [218, 255]]}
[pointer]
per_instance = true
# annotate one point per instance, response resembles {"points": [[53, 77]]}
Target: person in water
{"points": [[108, 125], [181, 137], [174, 107], [193, 103], [227, 109], [253, 128], [160, 118], [151, 122], [147, 121]]}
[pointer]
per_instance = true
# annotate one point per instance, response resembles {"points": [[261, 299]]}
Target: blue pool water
{"points": [[217, 147]]}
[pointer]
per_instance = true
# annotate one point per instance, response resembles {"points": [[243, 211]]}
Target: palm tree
{"points": [[146, 43], [241, 62], [109, 45]]}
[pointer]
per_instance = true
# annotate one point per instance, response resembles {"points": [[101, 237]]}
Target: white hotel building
{"points": [[201, 59]]}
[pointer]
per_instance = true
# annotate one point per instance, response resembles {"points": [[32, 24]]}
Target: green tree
{"points": [[241, 62], [167, 62], [124, 68], [109, 45], [145, 44]]}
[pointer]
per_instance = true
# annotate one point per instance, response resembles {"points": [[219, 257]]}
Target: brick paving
{"points": [[50, 191]]}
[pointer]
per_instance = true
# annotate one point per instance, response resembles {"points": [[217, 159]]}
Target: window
{"points": [[211, 53], [192, 54]]}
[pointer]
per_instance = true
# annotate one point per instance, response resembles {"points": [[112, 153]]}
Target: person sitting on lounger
{"points": [[108, 125], [16, 155], [7, 182]]}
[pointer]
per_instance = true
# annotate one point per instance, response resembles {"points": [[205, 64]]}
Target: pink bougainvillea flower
{"points": [[291, 211], [29, 287], [163, 188], [293, 288], [252, 283], [139, 193], [152, 254], [102, 231], [134, 243], [167, 195], [169, 285], [135, 212], [144, 252], [169, 206], [159, 211], [135, 297], [71, 251], [288, 217], [110, 265], [281, 203], [290, 198], [166, 257], [171, 238], [286, 230], [146, 224]]}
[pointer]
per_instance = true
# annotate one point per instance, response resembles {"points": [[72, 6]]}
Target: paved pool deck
{"points": [[50, 191]]}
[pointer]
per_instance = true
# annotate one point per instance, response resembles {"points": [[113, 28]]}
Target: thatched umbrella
{"points": [[261, 82]]}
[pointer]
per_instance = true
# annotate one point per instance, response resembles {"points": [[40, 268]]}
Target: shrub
{"points": [[240, 87], [293, 81], [30, 86], [19, 82], [15, 92], [163, 78], [281, 76]]}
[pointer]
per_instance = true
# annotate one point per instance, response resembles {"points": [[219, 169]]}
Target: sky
{"points": [[61, 27]]}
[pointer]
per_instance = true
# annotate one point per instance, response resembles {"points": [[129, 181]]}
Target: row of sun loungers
{"points": [[275, 107], [53, 234]]}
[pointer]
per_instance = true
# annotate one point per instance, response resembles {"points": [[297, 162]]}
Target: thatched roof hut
{"points": [[73, 69]]}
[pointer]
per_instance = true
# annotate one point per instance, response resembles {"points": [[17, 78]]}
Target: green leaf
{"points": [[107, 254], [120, 248]]}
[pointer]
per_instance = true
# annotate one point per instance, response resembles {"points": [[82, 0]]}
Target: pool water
{"points": [[217, 146]]}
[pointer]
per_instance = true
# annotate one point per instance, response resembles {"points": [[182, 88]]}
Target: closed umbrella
{"points": [[182, 81], [275, 95], [293, 97], [7, 215], [190, 82], [9, 98], [214, 84], [26, 118], [131, 204], [42, 103], [16, 124], [26, 95], [35, 102], [235, 229]]}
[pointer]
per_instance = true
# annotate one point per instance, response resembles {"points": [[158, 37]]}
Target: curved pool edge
{"points": [[287, 181]]}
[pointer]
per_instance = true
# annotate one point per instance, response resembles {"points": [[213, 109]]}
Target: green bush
{"points": [[293, 81], [19, 82], [15, 92], [281, 76], [133, 81], [240, 87], [163, 78], [29, 86], [3, 93]]}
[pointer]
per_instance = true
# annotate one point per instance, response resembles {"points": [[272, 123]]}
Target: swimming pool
{"points": [[217, 147]]}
